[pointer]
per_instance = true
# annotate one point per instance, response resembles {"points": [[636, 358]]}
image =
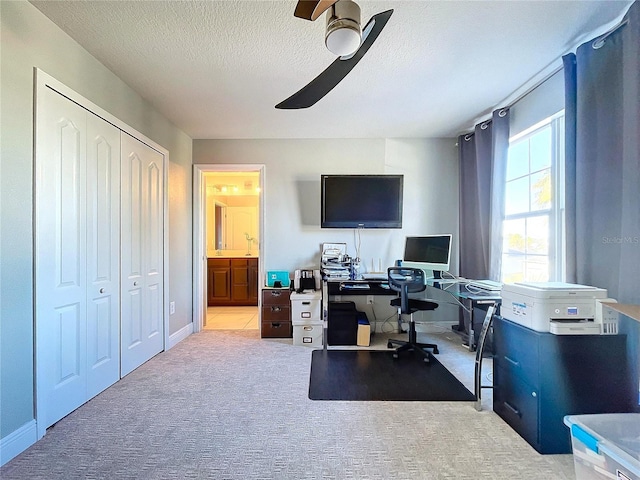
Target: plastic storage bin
{"points": [[306, 308], [605, 446], [308, 335], [274, 276]]}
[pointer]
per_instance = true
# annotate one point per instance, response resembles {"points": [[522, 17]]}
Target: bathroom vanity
{"points": [[232, 280]]}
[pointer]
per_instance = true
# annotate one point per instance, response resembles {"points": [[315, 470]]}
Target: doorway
{"points": [[228, 246]]}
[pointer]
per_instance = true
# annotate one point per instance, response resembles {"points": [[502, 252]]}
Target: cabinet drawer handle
{"points": [[511, 408], [275, 293], [306, 303], [515, 363], [276, 325], [305, 314], [276, 309]]}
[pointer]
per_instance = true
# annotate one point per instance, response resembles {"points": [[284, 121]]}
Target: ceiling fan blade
{"points": [[334, 73], [312, 9]]}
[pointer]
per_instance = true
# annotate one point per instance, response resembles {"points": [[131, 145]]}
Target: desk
{"points": [[332, 287], [471, 301], [358, 287]]}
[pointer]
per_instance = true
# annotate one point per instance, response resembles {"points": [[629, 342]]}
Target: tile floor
{"points": [[232, 318]]}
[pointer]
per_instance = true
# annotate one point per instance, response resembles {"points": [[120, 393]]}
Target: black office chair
{"points": [[406, 280]]}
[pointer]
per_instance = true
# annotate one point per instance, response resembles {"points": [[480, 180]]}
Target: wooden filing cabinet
{"points": [[276, 313], [538, 378]]}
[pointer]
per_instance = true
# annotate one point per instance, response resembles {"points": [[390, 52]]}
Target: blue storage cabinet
{"points": [[539, 378]]}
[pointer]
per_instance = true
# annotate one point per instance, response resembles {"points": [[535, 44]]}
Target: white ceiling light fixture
{"points": [[343, 32]]}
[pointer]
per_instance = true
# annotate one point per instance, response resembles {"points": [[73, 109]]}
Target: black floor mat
{"points": [[376, 375]]}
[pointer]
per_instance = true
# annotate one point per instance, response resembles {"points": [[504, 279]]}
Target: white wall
{"points": [[292, 191], [30, 40], [292, 233]]}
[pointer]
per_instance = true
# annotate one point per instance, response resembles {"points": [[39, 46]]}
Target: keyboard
{"points": [[355, 286], [489, 285], [374, 276]]}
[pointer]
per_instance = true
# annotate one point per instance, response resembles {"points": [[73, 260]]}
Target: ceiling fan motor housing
{"points": [[343, 32]]}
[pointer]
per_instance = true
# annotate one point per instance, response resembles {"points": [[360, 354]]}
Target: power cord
{"points": [[451, 275], [388, 326], [357, 242]]}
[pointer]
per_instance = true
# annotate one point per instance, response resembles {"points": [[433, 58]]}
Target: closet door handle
{"points": [[135, 284], [102, 290]]}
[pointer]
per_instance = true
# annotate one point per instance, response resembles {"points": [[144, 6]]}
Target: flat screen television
{"points": [[428, 252], [361, 201]]}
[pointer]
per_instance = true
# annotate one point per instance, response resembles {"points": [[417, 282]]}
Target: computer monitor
{"points": [[431, 253]]}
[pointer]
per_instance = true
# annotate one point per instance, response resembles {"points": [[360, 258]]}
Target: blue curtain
{"points": [[602, 119], [483, 156], [500, 140], [569, 62]]}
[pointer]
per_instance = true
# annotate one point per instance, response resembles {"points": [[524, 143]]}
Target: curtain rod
{"points": [[600, 41], [597, 43], [536, 85], [518, 98]]}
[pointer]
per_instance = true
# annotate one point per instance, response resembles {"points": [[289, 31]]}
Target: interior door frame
{"points": [[42, 81], [199, 231]]}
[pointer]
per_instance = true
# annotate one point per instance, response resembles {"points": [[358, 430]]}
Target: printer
{"points": [[559, 308]]}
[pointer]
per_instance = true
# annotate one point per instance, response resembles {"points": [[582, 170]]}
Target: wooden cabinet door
{"points": [[221, 281], [232, 281], [239, 280], [210, 284], [253, 281], [218, 281]]}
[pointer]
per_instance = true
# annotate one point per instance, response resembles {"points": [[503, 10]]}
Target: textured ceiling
{"points": [[217, 68]]}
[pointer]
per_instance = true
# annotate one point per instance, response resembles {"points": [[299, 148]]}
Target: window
{"points": [[533, 226]]}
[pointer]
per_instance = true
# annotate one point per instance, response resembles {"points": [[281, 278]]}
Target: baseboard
{"points": [[421, 327], [180, 335], [18, 441]]}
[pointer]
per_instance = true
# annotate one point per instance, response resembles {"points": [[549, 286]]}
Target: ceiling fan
{"points": [[344, 37]]}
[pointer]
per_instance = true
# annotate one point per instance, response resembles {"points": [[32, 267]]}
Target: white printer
{"points": [[559, 308]]}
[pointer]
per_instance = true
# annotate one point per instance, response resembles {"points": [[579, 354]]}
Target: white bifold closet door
{"points": [[77, 255], [142, 253]]}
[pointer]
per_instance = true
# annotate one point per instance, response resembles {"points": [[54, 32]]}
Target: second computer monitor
{"points": [[428, 252]]}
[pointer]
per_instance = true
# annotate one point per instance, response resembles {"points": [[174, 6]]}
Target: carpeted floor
{"points": [[229, 405], [376, 375]]}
